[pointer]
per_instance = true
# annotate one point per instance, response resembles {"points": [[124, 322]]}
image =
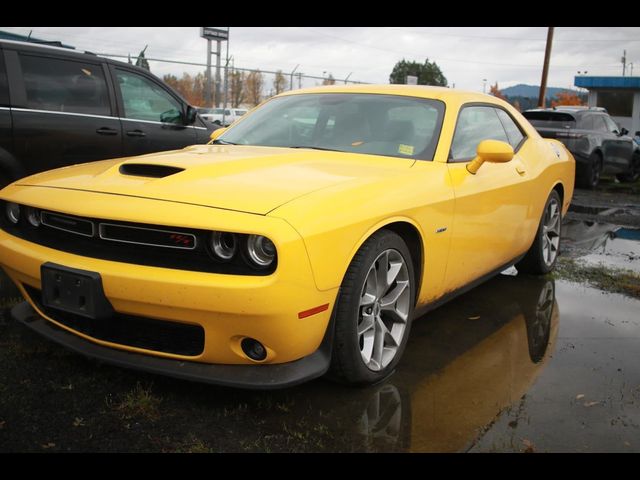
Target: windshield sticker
{"points": [[405, 149]]}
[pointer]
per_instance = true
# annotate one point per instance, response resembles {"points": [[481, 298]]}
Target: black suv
{"points": [[594, 139], [59, 107]]}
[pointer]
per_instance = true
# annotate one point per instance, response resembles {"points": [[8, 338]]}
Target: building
{"points": [[619, 95]]}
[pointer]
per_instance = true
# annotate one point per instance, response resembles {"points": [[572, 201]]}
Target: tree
{"points": [[191, 88], [279, 82], [253, 86], [567, 98], [495, 91], [329, 80], [236, 83], [428, 73]]}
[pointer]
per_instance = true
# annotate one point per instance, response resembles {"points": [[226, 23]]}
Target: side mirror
{"points": [[623, 131], [191, 115], [216, 133], [493, 151]]}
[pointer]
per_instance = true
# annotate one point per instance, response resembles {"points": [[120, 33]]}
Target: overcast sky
{"points": [[466, 55]]}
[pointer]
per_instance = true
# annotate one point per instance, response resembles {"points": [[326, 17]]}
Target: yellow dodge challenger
{"points": [[302, 240]]}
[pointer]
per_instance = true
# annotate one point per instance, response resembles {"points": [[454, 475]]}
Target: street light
{"points": [[484, 85]]}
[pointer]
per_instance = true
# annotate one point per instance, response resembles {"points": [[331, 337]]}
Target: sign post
{"points": [[219, 34]]}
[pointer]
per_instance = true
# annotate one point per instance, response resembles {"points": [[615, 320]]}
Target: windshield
{"points": [[389, 125]]}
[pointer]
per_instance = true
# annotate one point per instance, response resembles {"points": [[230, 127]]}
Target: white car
{"points": [[215, 115]]}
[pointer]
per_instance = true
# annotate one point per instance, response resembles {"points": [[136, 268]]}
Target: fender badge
{"points": [[442, 229]]}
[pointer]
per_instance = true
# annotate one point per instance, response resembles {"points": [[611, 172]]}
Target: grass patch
{"points": [[609, 279], [139, 402]]}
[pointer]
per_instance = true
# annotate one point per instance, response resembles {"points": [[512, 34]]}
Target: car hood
{"points": [[233, 177]]}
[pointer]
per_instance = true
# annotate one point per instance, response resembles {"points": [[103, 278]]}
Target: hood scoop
{"points": [[148, 170]]}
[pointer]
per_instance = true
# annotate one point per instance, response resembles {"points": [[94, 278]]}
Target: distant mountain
{"points": [[531, 91]]}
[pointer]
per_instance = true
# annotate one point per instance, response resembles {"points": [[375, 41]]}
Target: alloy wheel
{"points": [[551, 232], [384, 308]]}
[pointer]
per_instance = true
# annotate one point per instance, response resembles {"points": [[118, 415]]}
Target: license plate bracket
{"points": [[74, 291]]}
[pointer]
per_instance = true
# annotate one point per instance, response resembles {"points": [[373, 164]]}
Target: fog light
{"points": [[253, 349], [13, 212]]}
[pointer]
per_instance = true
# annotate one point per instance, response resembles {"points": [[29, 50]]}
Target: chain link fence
{"points": [[241, 87]]}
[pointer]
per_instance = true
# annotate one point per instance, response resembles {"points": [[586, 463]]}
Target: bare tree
{"points": [[279, 82], [238, 93], [253, 85], [329, 80]]}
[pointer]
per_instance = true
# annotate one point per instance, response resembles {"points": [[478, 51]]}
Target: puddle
{"points": [[517, 363], [603, 244]]}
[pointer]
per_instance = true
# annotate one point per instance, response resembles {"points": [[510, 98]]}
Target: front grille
{"points": [[136, 243], [130, 330]]}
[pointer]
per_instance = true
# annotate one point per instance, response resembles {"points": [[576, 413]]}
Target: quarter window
{"points": [[146, 100], [513, 131], [475, 124], [64, 85]]}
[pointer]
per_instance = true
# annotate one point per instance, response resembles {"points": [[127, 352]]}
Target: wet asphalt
{"points": [[518, 364]]}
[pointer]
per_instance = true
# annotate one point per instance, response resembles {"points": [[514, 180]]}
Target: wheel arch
{"points": [[412, 235]]}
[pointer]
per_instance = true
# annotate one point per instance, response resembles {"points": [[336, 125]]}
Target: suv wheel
{"points": [[592, 171], [634, 171]]}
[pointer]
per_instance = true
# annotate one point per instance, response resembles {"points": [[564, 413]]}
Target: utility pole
{"points": [[218, 52], [484, 85], [545, 69], [624, 62], [291, 80]]}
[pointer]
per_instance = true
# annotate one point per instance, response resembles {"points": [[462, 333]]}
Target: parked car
{"points": [[59, 107], [280, 252], [219, 115], [597, 143]]}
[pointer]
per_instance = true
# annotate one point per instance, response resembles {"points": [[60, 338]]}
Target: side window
{"points": [[146, 100], [64, 85], [513, 131], [586, 123], [599, 124], [475, 124], [4, 88], [611, 125]]}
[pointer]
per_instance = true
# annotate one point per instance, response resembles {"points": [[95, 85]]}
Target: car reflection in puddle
{"points": [[602, 244], [465, 363]]}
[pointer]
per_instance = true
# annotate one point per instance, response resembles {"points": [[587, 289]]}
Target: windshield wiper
{"points": [[315, 148], [222, 142]]}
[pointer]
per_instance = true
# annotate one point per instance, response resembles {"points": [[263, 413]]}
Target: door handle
{"points": [[107, 131], [136, 133]]}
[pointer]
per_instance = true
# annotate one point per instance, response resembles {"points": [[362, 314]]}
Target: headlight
{"points": [[261, 250], [33, 216], [223, 245], [13, 212]]}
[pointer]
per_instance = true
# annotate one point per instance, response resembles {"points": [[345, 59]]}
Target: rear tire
{"points": [[634, 174], [592, 171], [542, 256], [374, 311]]}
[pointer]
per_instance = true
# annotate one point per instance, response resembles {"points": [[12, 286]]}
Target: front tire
{"points": [[542, 256], [374, 311]]}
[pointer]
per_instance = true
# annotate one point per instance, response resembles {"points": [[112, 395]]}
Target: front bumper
{"points": [[227, 307], [262, 377]]}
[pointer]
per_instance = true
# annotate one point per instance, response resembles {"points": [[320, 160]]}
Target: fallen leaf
{"points": [[67, 387], [627, 444], [48, 445], [580, 396], [78, 422], [474, 318], [591, 404], [529, 446]]}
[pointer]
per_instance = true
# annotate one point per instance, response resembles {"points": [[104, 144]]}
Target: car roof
{"points": [[572, 109], [68, 52], [423, 91]]}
